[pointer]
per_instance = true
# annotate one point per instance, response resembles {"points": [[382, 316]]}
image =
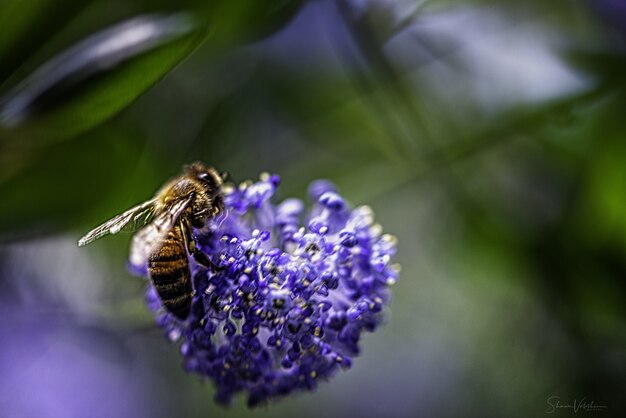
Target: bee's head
{"points": [[212, 180]]}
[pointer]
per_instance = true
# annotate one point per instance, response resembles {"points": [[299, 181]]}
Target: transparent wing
{"points": [[147, 240], [139, 214]]}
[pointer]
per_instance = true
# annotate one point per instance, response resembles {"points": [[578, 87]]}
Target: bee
{"points": [[165, 240]]}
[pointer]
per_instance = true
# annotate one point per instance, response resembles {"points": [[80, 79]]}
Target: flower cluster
{"points": [[285, 305]]}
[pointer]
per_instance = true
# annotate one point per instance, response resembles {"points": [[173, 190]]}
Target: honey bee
{"points": [[185, 203]]}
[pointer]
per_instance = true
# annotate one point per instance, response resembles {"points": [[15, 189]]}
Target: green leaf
{"points": [[93, 80], [237, 21], [18, 18], [77, 183]]}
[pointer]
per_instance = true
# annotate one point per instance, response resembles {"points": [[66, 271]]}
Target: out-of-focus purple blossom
{"points": [[290, 294], [54, 368]]}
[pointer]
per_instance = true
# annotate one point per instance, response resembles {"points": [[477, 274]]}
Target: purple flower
{"points": [[290, 294]]}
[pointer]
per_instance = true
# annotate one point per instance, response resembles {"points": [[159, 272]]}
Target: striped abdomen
{"points": [[169, 271]]}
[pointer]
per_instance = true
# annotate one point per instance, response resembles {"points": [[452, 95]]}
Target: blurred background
{"points": [[489, 136]]}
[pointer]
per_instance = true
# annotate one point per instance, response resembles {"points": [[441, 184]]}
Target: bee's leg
{"points": [[200, 257]]}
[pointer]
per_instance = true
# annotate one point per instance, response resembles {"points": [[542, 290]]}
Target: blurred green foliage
{"points": [[72, 104], [488, 135]]}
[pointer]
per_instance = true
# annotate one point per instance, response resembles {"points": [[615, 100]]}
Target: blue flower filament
{"points": [[286, 304]]}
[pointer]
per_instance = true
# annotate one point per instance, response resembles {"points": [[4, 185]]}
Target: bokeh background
{"points": [[489, 136]]}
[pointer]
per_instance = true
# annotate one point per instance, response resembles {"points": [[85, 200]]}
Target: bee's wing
{"points": [[148, 240], [138, 214]]}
